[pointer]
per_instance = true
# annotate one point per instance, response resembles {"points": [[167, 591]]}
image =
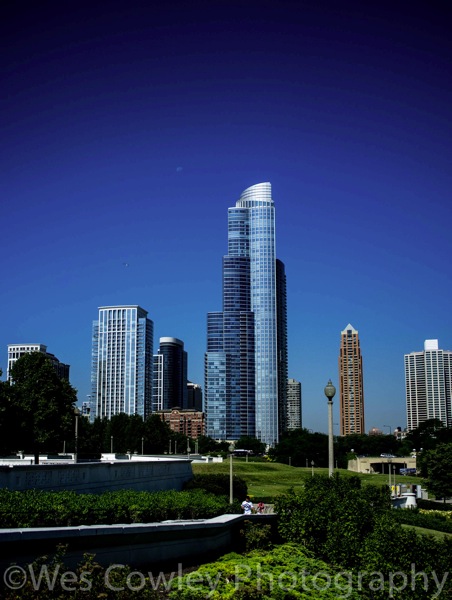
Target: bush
{"points": [[394, 551], [432, 519], [218, 484], [331, 516], [52, 580], [257, 536], [287, 571], [35, 508]]}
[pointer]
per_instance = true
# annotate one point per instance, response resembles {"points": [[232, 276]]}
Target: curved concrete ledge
{"points": [[132, 544]]}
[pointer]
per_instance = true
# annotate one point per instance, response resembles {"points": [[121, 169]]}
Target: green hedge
{"points": [[35, 508], [219, 484], [433, 505], [418, 519]]}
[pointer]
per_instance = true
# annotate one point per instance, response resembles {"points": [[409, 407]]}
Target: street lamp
{"points": [[111, 444], [77, 414], [389, 427], [312, 467], [231, 494], [142, 446], [330, 390]]}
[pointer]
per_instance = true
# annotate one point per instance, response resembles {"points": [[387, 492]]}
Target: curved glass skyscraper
{"points": [[241, 367]]}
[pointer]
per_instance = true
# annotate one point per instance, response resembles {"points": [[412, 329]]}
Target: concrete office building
{"points": [[351, 386], [15, 351], [241, 362], [170, 375], [121, 374], [428, 384]]}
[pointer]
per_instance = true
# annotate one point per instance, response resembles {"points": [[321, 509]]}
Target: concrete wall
{"points": [[153, 474], [379, 464], [135, 545]]}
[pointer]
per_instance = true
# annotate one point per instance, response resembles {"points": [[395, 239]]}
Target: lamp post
{"points": [[111, 444], [389, 427], [77, 414], [142, 446], [231, 493], [312, 467], [330, 390]]}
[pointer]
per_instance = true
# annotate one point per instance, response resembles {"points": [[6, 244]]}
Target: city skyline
{"points": [[128, 130]]}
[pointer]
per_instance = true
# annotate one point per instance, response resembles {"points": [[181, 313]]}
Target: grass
{"points": [[438, 534], [266, 480]]}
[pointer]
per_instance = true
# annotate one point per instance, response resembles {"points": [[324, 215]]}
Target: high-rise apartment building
{"points": [[15, 351], [294, 418], [121, 374], [351, 387], [428, 384], [243, 359], [170, 375], [281, 343], [194, 396]]}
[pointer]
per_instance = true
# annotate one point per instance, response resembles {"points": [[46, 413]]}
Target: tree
{"points": [[157, 434], [300, 447], [247, 442], [427, 436], [6, 419], [436, 467], [42, 405]]}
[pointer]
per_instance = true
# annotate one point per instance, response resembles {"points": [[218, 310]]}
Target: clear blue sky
{"points": [[129, 128]]}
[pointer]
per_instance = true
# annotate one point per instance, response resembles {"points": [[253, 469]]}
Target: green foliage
{"points": [[40, 405], [436, 520], [34, 508], [285, 572], [301, 447], [257, 536], [218, 484], [247, 442], [390, 549], [432, 505], [427, 436], [331, 516], [54, 581], [436, 467], [207, 445]]}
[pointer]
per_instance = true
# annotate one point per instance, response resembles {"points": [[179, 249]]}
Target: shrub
{"points": [[257, 536], [34, 508], [391, 550], [53, 580], [287, 571], [431, 519], [331, 516], [218, 484]]}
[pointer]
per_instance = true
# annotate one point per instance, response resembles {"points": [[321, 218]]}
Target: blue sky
{"points": [[128, 129]]}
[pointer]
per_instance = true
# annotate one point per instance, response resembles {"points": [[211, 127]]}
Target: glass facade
{"points": [[170, 375], [121, 369], [241, 368]]}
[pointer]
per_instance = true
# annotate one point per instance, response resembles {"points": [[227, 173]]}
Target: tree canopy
{"points": [[40, 405], [436, 468]]}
